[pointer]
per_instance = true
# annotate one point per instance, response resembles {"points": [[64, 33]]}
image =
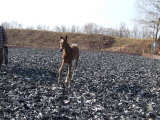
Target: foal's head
{"points": [[63, 42]]}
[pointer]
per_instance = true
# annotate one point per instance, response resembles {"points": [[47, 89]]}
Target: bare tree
{"points": [[122, 29], [6, 25], [149, 15], [42, 27], [95, 28], [135, 32], [39, 27], [30, 27], [74, 29], [45, 27], [63, 28], [78, 30], [90, 28], [12, 25], [102, 30], [127, 33], [57, 29]]}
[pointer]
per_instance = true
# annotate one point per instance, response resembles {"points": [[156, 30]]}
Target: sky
{"points": [[107, 13]]}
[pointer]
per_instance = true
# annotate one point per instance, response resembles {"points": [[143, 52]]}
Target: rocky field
{"points": [[106, 86]]}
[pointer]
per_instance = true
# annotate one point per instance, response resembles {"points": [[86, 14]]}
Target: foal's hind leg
{"points": [[60, 70], [76, 63]]}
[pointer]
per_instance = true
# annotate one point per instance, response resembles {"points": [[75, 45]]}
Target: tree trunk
{"points": [[157, 29]]}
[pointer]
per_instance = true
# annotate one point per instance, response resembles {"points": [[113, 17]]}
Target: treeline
{"points": [[90, 28]]}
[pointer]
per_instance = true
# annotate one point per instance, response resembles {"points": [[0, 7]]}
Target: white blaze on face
{"points": [[62, 40]]}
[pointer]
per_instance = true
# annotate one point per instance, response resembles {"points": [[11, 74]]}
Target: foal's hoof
{"points": [[59, 81], [66, 81]]}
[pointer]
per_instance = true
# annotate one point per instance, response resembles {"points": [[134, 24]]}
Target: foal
{"points": [[69, 54]]}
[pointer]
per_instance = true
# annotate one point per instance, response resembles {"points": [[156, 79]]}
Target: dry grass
{"points": [[132, 45], [35, 38]]}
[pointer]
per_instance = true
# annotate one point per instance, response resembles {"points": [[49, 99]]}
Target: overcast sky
{"points": [[108, 13]]}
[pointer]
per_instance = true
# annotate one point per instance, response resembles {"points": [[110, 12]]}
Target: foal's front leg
{"points": [[68, 78], [60, 70]]}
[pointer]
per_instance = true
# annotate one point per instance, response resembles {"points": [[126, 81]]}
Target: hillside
{"points": [[50, 39]]}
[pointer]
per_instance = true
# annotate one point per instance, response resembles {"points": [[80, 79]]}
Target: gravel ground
{"points": [[106, 86]]}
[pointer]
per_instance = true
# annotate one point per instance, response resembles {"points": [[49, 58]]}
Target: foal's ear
{"points": [[66, 37], [60, 37]]}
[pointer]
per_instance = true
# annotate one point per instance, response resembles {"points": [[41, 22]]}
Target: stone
{"points": [[105, 86]]}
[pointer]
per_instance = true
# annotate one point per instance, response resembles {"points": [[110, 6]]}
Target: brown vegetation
{"points": [[35, 38], [50, 39]]}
